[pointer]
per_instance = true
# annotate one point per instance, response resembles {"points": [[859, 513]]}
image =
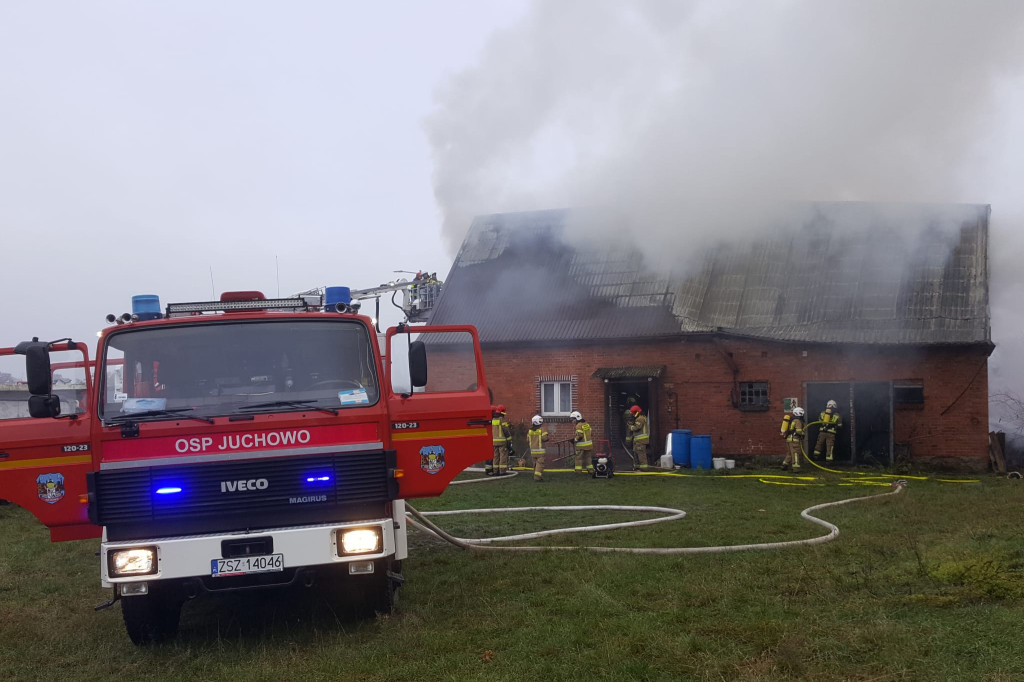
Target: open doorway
{"points": [[872, 422], [618, 393], [818, 394], [866, 409]]}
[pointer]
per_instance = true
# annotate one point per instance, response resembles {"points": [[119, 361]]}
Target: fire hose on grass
{"points": [[419, 520]]}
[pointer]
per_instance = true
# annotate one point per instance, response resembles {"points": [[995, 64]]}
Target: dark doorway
{"points": [[818, 394], [617, 394], [872, 422]]}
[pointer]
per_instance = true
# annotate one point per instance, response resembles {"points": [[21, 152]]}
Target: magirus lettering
{"points": [[307, 498], [250, 484]]}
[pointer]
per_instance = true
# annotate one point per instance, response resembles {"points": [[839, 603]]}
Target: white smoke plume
{"points": [[689, 120]]}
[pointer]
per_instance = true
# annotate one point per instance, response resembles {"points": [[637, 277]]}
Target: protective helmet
{"points": [[798, 411], [537, 420], [501, 408], [576, 415], [635, 409], [833, 404]]}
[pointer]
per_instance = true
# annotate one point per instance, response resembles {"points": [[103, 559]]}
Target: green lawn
{"points": [[925, 585]]}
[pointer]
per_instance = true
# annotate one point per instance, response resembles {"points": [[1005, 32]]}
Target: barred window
{"points": [[754, 394]]}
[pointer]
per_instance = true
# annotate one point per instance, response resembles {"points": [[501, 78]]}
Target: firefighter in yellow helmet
{"points": [[793, 431], [501, 434], [831, 422], [641, 436], [584, 443], [536, 437]]}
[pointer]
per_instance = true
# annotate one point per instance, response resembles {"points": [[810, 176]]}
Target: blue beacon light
{"points": [[169, 490], [318, 479], [146, 307]]}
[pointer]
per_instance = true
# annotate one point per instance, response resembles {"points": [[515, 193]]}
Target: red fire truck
{"points": [[244, 443]]}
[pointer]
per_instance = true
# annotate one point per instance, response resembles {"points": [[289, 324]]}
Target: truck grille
{"points": [[225, 496]]}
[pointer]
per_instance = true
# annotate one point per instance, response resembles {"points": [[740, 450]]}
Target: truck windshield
{"points": [[219, 368]]}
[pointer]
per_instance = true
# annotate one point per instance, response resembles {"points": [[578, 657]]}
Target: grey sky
{"points": [[143, 143]]}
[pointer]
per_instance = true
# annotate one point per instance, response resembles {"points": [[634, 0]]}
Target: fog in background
{"points": [[278, 144], [692, 122]]}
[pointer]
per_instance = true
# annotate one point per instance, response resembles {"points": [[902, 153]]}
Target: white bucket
{"points": [[666, 461], [730, 464], [718, 462]]}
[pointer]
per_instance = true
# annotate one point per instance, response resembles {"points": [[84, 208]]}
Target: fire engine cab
{"points": [[245, 443]]}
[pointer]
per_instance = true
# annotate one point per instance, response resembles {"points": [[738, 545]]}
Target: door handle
{"points": [[478, 422], [4, 455]]}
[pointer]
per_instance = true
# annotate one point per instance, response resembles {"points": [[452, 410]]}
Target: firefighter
{"points": [[641, 436], [831, 422], [536, 437], [627, 419], [793, 432], [584, 445], [501, 434]]}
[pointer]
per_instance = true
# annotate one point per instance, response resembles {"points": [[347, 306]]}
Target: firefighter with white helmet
{"points": [[793, 431], [831, 422], [536, 437], [582, 440]]}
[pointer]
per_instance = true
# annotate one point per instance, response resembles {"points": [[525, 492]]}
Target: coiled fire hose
{"points": [[418, 519]]}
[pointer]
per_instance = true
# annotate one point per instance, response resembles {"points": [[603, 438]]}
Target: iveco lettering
{"points": [[247, 443]]}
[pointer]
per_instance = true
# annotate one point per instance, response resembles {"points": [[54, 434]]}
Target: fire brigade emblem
{"points": [[50, 488], [432, 458]]}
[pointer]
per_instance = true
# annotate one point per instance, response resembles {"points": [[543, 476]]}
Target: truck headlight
{"points": [[134, 561], [360, 541]]}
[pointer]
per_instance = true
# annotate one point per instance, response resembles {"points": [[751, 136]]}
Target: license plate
{"points": [[220, 568]]}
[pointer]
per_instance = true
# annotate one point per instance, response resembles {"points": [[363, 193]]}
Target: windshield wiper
{"points": [[173, 412], [302, 404]]}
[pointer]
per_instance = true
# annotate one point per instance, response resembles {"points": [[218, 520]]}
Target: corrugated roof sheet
{"points": [[851, 273]]}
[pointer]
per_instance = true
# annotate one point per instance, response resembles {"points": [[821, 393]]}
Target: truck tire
{"points": [[151, 618], [382, 596]]}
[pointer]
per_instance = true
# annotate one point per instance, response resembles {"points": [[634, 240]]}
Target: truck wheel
{"points": [[382, 596], [151, 618]]}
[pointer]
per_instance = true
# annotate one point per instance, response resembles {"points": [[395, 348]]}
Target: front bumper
{"points": [[301, 546]]}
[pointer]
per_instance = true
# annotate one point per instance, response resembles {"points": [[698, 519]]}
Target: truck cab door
{"points": [[438, 404], [43, 461]]}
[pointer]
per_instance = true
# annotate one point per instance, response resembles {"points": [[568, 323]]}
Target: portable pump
{"points": [[604, 467]]}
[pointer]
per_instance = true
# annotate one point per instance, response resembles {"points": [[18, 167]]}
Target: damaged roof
{"points": [[847, 273]]}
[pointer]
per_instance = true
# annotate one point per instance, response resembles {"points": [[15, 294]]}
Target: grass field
{"points": [[925, 585]]}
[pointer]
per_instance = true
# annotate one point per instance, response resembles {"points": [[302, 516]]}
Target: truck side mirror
{"points": [[42, 406], [418, 364], [37, 366]]}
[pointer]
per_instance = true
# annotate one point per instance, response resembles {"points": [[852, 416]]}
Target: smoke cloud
{"points": [[691, 122]]}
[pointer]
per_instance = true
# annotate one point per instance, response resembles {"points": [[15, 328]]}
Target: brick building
{"points": [[881, 308]]}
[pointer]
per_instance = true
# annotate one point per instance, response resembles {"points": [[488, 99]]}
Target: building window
{"points": [[556, 395], [908, 393], [754, 395]]}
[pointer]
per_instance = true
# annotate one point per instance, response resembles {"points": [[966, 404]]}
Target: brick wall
{"points": [[949, 428]]}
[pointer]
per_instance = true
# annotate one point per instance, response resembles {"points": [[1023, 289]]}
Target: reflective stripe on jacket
{"points": [[796, 429], [583, 441], [640, 433], [498, 432], [536, 437], [830, 421]]}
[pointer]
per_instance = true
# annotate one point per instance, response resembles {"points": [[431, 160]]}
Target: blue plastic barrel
{"points": [[681, 447], [700, 452]]}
